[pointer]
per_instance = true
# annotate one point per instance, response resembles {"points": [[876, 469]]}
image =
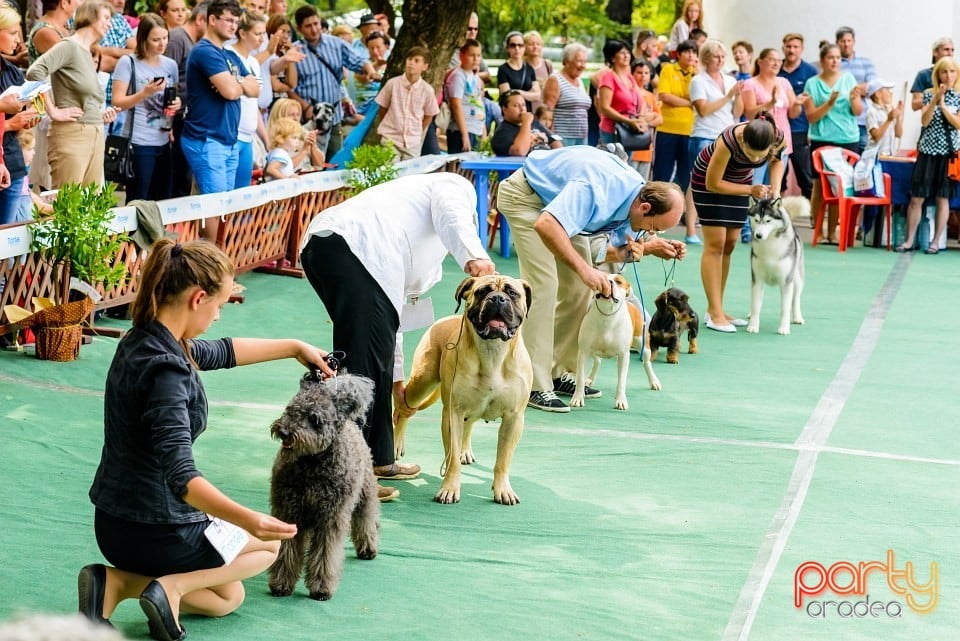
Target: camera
{"points": [[169, 95]]}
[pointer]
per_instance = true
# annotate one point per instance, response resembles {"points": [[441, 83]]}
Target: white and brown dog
{"points": [[610, 328], [477, 364]]}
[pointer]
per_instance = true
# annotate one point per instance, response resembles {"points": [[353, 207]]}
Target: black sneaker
{"points": [[566, 385], [547, 401]]}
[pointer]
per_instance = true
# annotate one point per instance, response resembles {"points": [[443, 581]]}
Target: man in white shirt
{"points": [[367, 258]]}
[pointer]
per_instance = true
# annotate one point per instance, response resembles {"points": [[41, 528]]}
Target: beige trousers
{"points": [[560, 298], [75, 153]]}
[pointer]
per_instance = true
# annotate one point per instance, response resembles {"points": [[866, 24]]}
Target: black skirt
{"points": [[720, 210], [929, 178]]}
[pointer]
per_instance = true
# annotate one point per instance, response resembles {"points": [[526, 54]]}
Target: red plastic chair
{"points": [[848, 206]]}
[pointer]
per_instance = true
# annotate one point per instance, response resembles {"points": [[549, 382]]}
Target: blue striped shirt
{"points": [[864, 71], [319, 82]]}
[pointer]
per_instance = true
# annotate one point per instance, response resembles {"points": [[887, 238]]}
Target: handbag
{"points": [[118, 150], [953, 168], [631, 139], [953, 162]]}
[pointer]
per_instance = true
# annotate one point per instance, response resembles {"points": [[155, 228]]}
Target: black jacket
{"points": [[154, 408]]}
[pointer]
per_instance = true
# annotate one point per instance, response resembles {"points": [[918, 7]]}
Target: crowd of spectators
{"points": [[199, 88]]}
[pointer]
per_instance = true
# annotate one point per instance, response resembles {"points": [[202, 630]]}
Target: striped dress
{"points": [[726, 210], [570, 112]]}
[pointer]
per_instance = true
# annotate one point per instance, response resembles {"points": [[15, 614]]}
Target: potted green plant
{"points": [[76, 235], [371, 165]]}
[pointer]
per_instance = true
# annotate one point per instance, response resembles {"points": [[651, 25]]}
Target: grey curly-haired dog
{"points": [[323, 482]]}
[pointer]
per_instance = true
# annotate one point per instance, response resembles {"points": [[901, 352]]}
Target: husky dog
{"points": [[611, 327], [776, 258]]}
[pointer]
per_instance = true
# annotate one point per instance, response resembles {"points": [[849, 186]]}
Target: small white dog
{"points": [[776, 258], [611, 327]]}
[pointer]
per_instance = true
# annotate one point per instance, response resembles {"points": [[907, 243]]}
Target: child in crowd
{"points": [[286, 137], [407, 104], [28, 143], [884, 121], [544, 115], [464, 92], [310, 156]]}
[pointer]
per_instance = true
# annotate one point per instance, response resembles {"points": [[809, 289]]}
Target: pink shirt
{"points": [[626, 98], [406, 104], [780, 109]]}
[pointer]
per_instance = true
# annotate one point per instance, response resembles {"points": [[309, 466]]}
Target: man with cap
{"points": [[942, 47], [554, 204], [884, 121], [368, 24]]}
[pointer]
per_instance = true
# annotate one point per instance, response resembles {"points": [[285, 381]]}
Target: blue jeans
{"points": [[152, 173], [695, 146], [15, 207], [213, 163], [672, 150], [570, 142], [244, 164], [455, 142], [606, 138]]}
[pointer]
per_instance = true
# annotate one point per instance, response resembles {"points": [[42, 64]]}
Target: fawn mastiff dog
{"points": [[477, 364]]}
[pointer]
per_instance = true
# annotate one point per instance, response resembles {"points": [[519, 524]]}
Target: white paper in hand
{"points": [[226, 538], [28, 90]]}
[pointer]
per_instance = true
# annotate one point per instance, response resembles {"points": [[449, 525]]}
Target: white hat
{"points": [[876, 85]]}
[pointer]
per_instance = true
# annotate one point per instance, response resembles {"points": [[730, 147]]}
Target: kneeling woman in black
{"points": [[153, 505], [720, 183]]}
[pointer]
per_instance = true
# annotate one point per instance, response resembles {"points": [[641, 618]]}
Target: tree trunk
{"points": [[621, 12], [440, 26]]}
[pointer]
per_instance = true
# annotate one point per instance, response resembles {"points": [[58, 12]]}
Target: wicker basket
{"points": [[58, 343]]}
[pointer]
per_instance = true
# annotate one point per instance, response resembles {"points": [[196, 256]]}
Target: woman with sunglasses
{"points": [[514, 73]]}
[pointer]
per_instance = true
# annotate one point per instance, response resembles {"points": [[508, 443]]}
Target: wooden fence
{"points": [[265, 235]]}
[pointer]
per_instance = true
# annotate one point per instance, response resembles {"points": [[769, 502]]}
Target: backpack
{"points": [[444, 117]]}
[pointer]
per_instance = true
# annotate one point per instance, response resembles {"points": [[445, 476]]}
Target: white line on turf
{"points": [[812, 441]]}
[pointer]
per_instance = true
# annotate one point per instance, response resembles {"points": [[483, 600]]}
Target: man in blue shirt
{"points": [[797, 71], [554, 204], [862, 69], [320, 73], [216, 78], [942, 48]]}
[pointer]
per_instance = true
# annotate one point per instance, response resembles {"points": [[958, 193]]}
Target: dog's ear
{"points": [[661, 300], [465, 286], [777, 203], [528, 294], [753, 202]]}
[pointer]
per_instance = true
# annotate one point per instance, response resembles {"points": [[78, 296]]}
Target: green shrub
{"points": [[77, 233], [371, 165]]}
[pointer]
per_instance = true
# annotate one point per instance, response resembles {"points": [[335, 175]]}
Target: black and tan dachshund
{"points": [[673, 317]]}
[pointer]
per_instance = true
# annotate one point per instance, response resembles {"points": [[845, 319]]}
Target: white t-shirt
{"points": [[281, 156], [876, 116], [249, 109], [702, 87]]}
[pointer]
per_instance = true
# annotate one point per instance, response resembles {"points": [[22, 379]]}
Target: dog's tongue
{"points": [[496, 323]]}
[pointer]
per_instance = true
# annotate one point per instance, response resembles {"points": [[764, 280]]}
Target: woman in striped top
{"points": [[564, 92], [721, 188]]}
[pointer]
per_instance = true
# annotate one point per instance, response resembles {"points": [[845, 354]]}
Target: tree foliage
{"points": [[581, 20]]}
